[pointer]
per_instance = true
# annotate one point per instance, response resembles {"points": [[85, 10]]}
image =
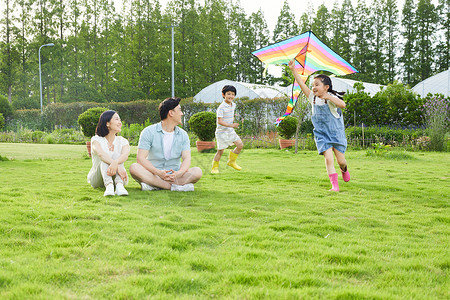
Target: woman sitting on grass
{"points": [[109, 152]]}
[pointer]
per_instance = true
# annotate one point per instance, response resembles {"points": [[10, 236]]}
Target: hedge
{"points": [[259, 114], [384, 135]]}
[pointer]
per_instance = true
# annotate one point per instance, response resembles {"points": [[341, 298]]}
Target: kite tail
{"points": [[290, 108]]}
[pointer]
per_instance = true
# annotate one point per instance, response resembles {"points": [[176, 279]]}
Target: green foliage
{"points": [[89, 119], [38, 136], [82, 92], [403, 107], [123, 94], [5, 107], [133, 131], [64, 114], [362, 108], [306, 127], [382, 150], [203, 124], [437, 117], [378, 149], [2, 121], [26, 103], [395, 105], [383, 135], [29, 118], [254, 113], [286, 129]]}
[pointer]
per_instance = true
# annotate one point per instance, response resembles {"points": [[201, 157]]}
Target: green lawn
{"points": [[271, 231]]}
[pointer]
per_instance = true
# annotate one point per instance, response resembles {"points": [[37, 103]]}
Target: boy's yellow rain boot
{"points": [[215, 167], [232, 161]]}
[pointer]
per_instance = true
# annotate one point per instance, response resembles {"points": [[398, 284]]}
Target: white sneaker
{"points": [[147, 187], [120, 190], [109, 190], [188, 187]]}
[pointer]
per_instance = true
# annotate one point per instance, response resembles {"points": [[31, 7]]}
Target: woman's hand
{"points": [[122, 173], [112, 169]]}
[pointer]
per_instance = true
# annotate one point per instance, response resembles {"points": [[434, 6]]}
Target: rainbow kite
{"points": [[310, 55]]}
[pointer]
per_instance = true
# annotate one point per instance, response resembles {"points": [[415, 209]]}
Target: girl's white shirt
{"points": [[320, 101]]}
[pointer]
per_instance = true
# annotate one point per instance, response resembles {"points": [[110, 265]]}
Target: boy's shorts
{"points": [[225, 139]]}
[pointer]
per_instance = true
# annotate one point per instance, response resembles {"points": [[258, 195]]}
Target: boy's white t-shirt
{"points": [[320, 101], [168, 141], [118, 143], [226, 112]]}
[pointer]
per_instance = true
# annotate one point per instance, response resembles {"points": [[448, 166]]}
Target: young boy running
{"points": [[225, 134]]}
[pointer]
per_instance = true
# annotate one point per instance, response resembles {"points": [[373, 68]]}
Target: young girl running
{"points": [[329, 130]]}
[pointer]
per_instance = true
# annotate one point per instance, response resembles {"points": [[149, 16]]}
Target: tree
{"points": [[285, 28], [410, 47], [345, 38], [336, 28], [443, 48], [379, 18], [23, 87], [321, 24], [8, 61], [261, 39], [364, 54], [392, 38], [426, 19], [216, 56]]}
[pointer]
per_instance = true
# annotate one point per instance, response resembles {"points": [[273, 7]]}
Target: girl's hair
{"points": [[229, 88], [326, 80], [102, 129]]}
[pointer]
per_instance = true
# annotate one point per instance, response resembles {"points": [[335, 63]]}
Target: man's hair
{"points": [[102, 129], [167, 105], [229, 88]]}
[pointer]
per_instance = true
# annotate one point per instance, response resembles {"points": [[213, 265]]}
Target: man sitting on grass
{"points": [[161, 148]]}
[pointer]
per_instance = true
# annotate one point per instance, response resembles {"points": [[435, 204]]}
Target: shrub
{"points": [[2, 121], [382, 134], [5, 107], [38, 136], [286, 129], [437, 116], [203, 124], [64, 114], [89, 119], [28, 118]]}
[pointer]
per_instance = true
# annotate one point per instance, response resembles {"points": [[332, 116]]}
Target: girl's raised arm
{"points": [[299, 80]]}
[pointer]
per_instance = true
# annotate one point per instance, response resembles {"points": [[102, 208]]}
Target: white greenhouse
{"points": [[437, 84], [213, 92]]}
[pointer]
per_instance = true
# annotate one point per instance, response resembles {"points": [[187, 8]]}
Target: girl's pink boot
{"points": [[334, 182], [345, 175]]}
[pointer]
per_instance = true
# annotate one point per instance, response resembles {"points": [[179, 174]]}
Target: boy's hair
{"points": [[166, 105], [229, 88], [326, 80], [102, 130]]}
